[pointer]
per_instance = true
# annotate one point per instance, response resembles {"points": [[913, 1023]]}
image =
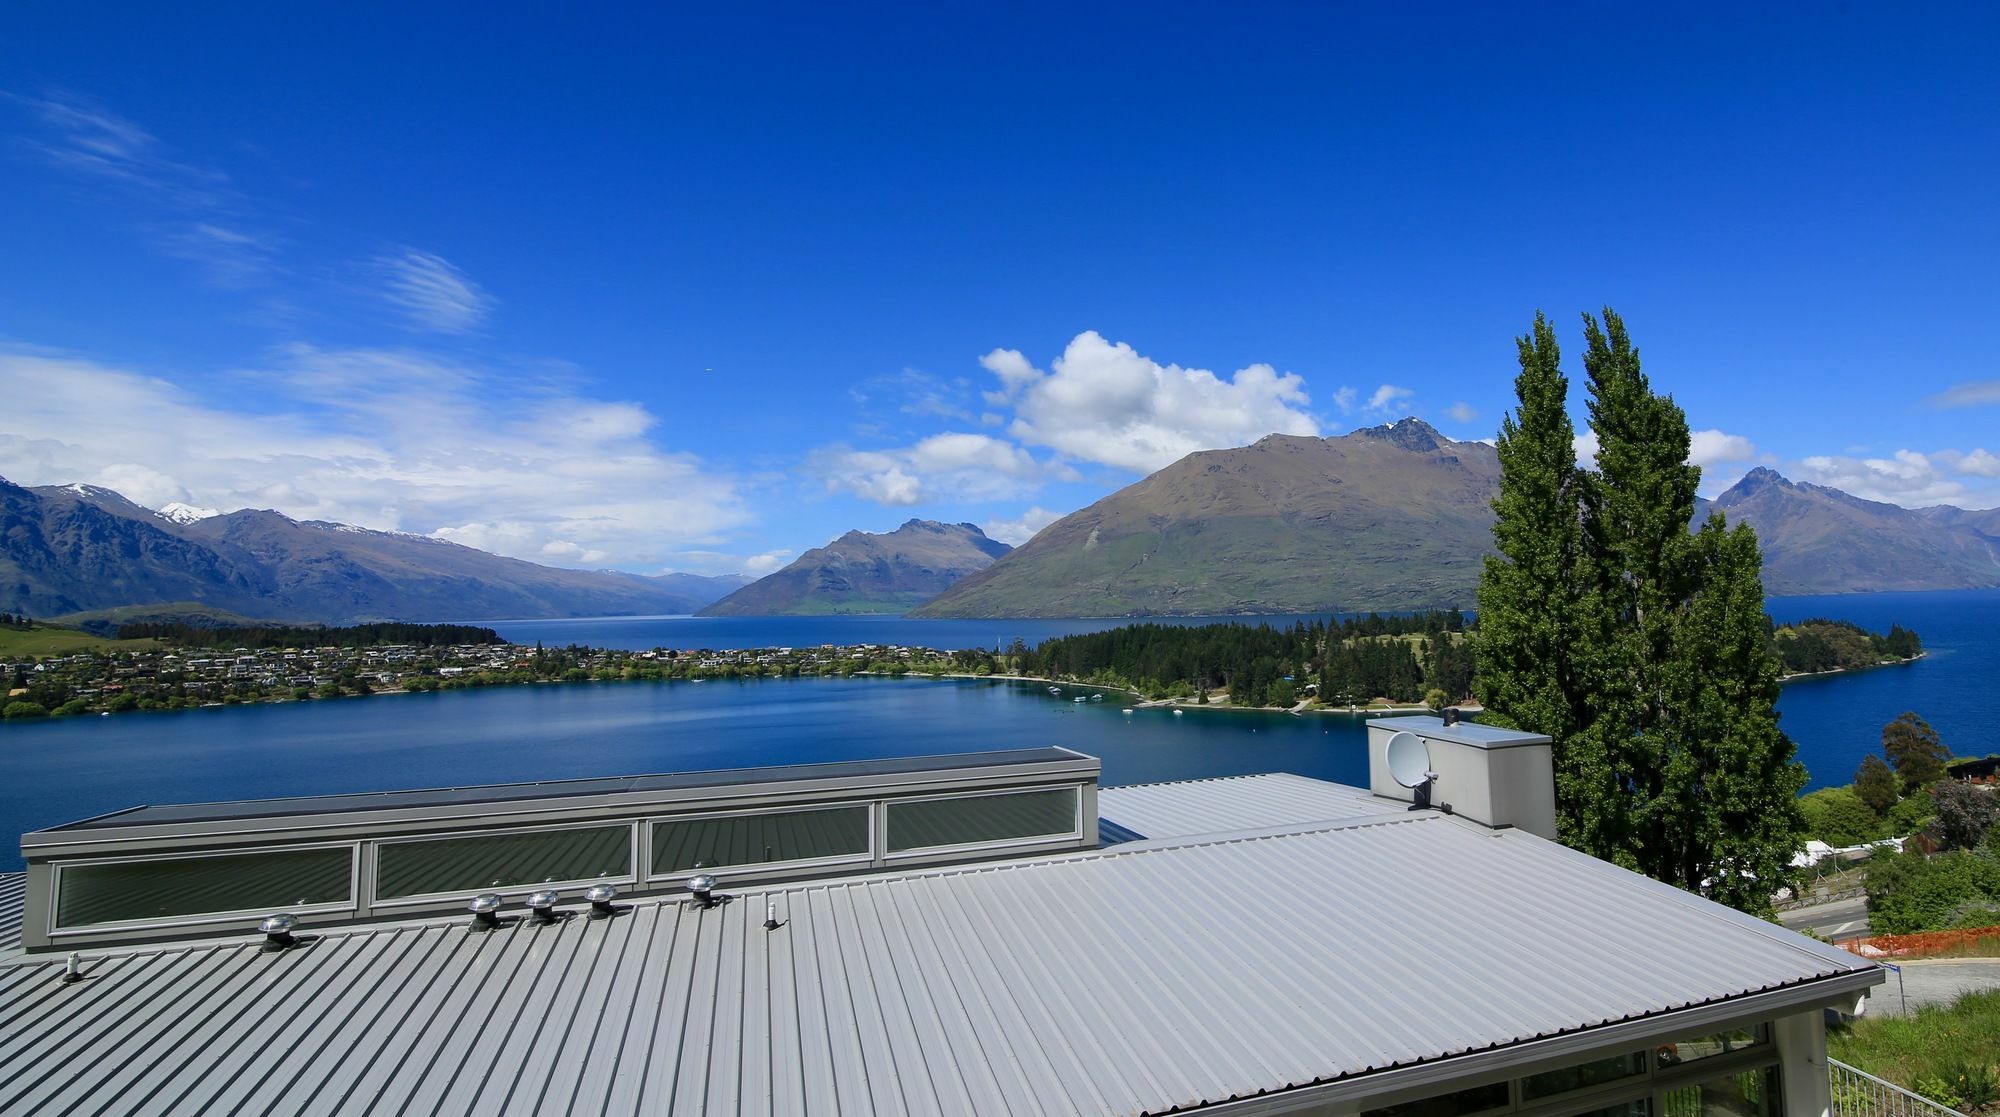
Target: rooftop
{"points": [[1254, 937]]}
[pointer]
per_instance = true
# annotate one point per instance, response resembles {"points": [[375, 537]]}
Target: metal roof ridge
{"points": [[1221, 779]]}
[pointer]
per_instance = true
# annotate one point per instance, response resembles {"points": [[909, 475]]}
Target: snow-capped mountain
{"points": [[178, 513]]}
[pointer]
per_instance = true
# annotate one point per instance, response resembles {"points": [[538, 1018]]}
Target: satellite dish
{"points": [[1410, 765]]}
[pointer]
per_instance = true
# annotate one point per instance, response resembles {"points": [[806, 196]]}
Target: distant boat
{"points": [[1055, 690], [1079, 698], [1127, 711], [1178, 713], [1097, 698]]}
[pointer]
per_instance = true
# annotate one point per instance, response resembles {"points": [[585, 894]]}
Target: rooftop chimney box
{"points": [[1495, 777]]}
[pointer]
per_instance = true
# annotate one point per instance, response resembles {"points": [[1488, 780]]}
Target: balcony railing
{"points": [[1856, 1093]]}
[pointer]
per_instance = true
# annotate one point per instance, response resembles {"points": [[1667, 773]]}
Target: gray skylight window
{"points": [[179, 887], [759, 839], [498, 861], [976, 819]]}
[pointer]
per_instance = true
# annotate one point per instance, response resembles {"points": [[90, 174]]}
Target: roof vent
{"points": [[72, 968], [543, 904], [702, 887], [278, 931], [600, 897], [485, 911], [1450, 716]]}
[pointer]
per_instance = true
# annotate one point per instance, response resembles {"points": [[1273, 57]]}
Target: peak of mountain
{"points": [[178, 513], [863, 572], [1411, 434], [77, 548], [1390, 517], [1818, 539]]}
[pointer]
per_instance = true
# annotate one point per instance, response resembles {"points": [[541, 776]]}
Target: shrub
{"points": [[1964, 814], [1910, 892], [24, 709], [1838, 817]]}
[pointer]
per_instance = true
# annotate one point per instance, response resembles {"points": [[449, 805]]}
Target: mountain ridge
{"points": [[864, 572], [1387, 517], [80, 548]]}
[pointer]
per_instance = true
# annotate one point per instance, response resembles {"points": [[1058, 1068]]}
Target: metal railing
{"points": [[1856, 1093]]}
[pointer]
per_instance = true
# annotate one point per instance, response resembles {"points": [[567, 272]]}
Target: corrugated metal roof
{"points": [[1104, 982], [13, 897], [1219, 806]]}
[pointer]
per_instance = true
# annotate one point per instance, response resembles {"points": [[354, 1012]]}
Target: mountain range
{"points": [[1389, 517], [77, 548], [1399, 517], [868, 573]]}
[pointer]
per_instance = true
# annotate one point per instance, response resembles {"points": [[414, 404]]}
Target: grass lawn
{"points": [[1948, 1054], [45, 640]]}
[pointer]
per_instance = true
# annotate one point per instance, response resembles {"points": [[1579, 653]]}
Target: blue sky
{"points": [[700, 289]]}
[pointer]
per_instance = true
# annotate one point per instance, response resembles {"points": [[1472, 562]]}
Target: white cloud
{"points": [[190, 212], [1388, 396], [1972, 393], [952, 465], [432, 294], [1908, 478], [1713, 447], [1021, 528], [1978, 463], [763, 564], [380, 438], [1106, 403], [1710, 447], [1344, 399], [1462, 412], [1585, 445]]}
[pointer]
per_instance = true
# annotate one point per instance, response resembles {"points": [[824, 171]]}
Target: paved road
{"points": [[1838, 921], [1934, 981]]}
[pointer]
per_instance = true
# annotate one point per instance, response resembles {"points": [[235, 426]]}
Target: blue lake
{"points": [[59, 771]]}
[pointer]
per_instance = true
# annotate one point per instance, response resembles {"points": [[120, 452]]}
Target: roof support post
{"points": [[1802, 1065]]}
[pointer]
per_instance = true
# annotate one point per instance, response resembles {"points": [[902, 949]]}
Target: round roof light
{"points": [[486, 903], [601, 894]]}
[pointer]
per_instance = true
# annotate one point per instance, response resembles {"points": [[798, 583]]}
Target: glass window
{"points": [[1752, 1093], [180, 886], [1702, 1047], [1582, 1076], [490, 861], [1479, 1099], [1637, 1107], [758, 839], [981, 818]]}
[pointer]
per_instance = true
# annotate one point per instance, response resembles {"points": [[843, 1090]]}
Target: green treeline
{"points": [[1353, 660], [313, 636]]}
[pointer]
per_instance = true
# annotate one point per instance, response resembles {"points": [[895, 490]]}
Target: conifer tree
{"points": [[1528, 587], [1637, 645]]}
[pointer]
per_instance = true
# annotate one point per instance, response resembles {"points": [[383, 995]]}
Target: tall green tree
{"points": [[1875, 784], [1658, 684], [1914, 750], [1529, 587]]}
